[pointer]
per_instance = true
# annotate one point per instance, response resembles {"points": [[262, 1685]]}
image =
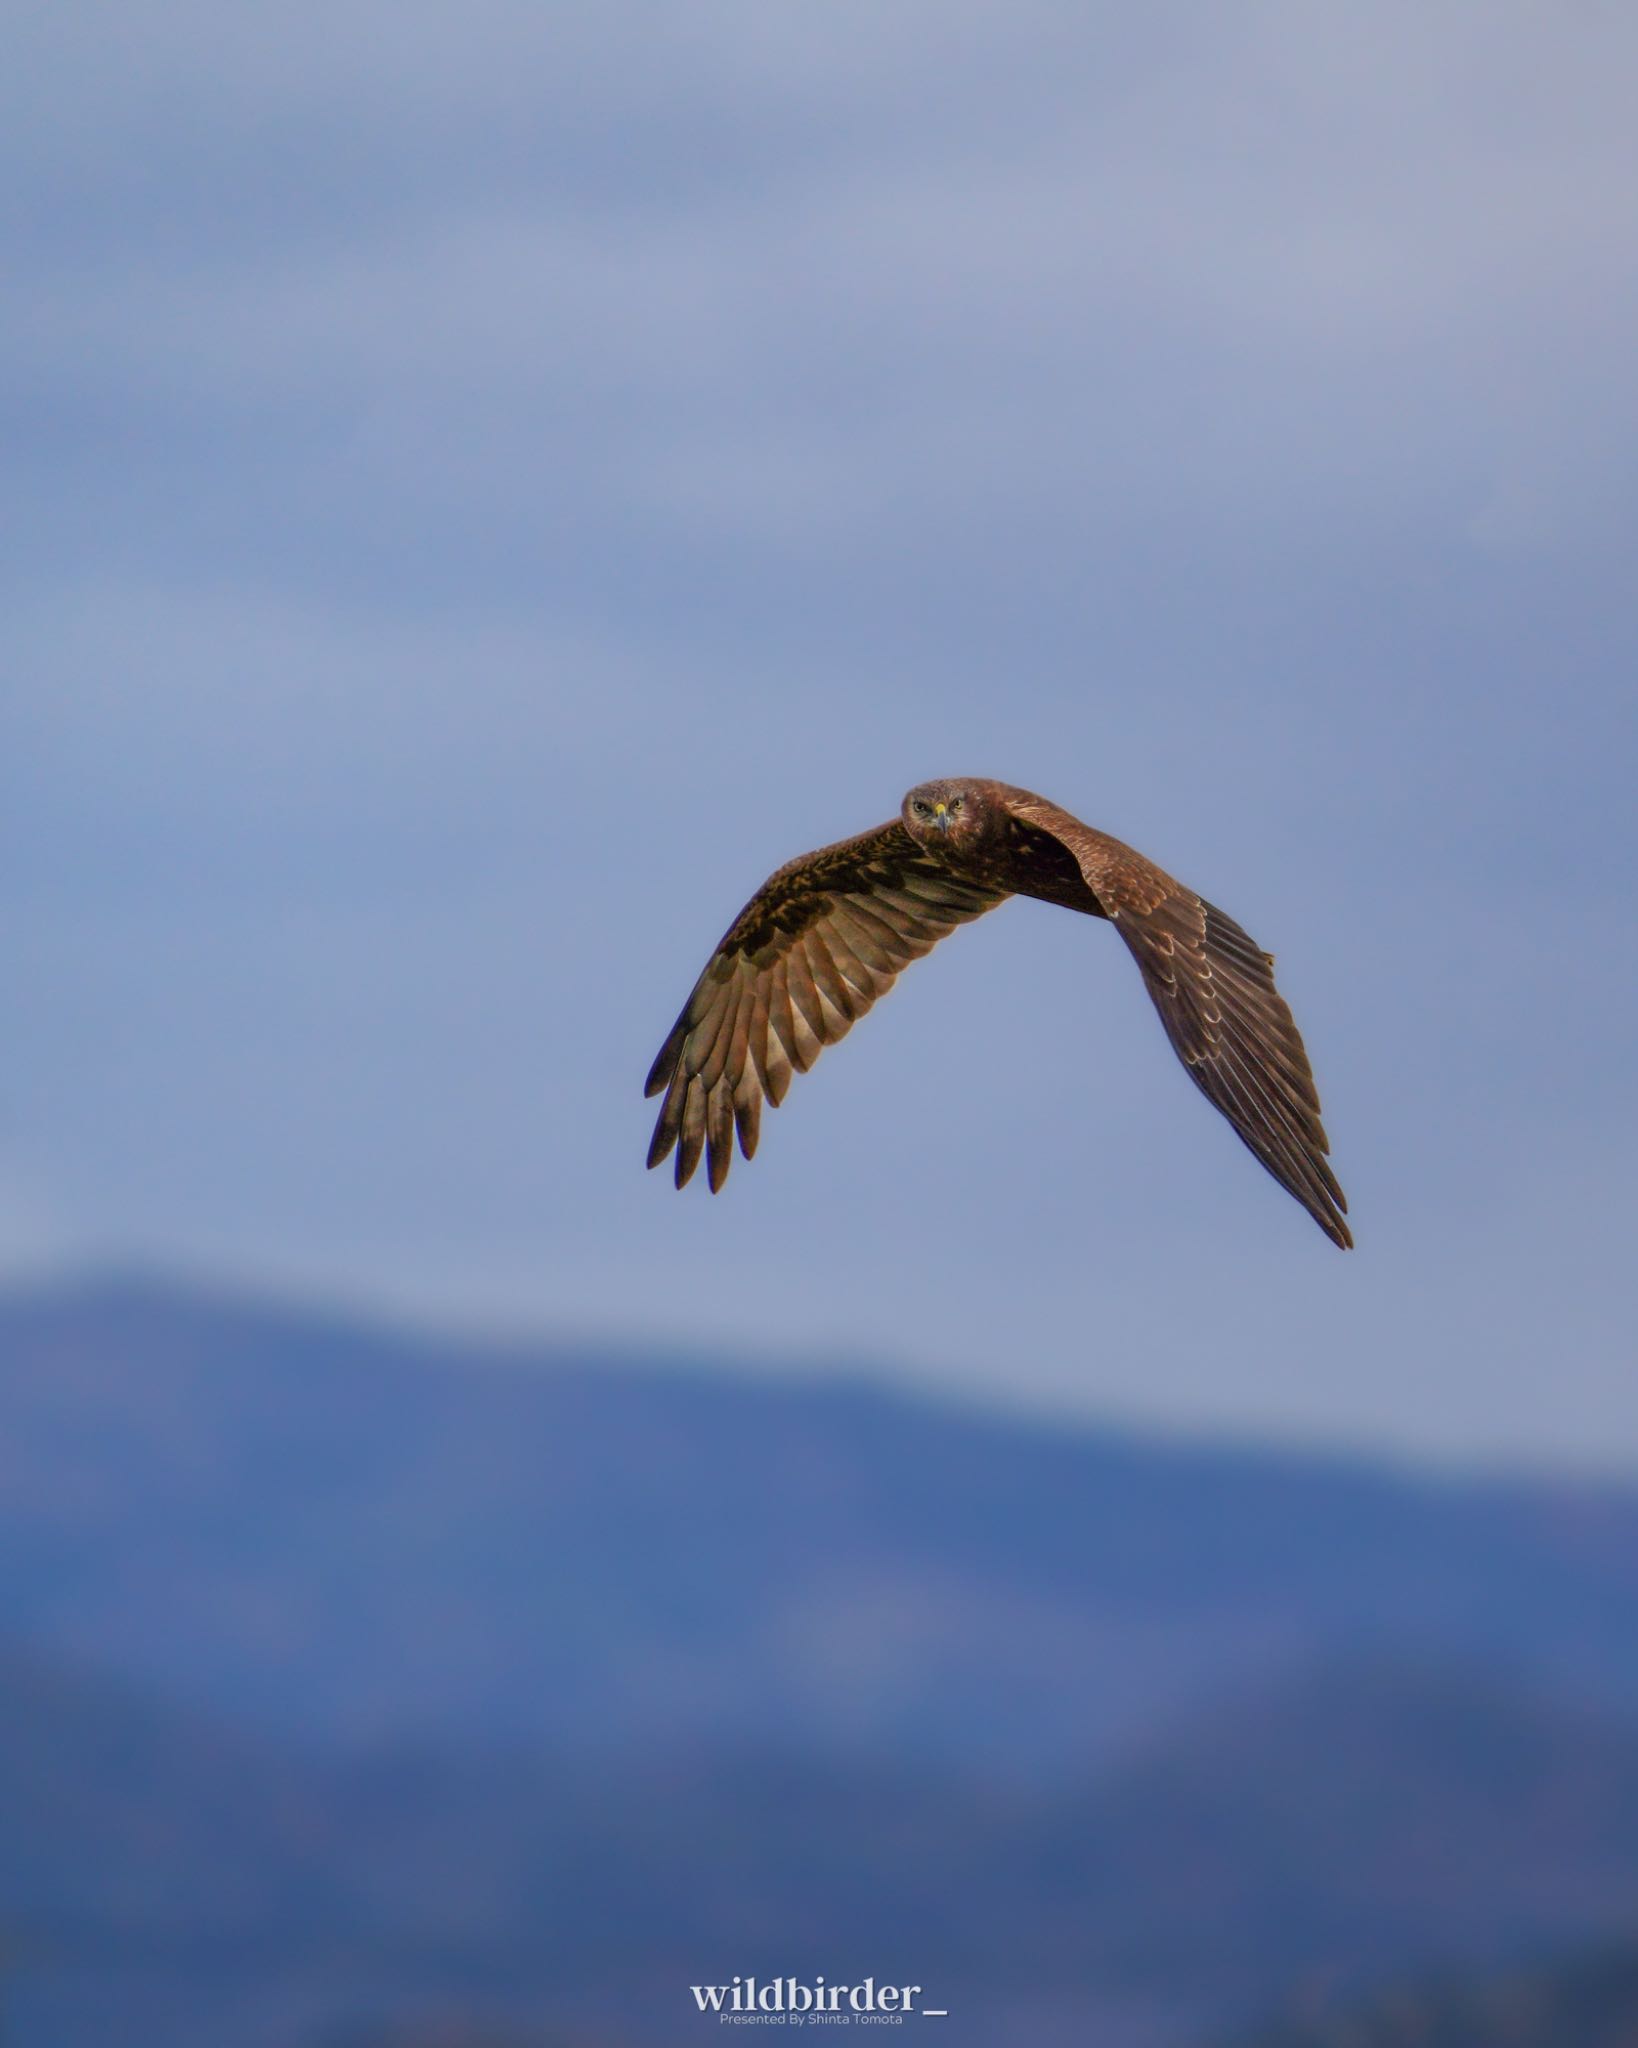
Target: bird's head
{"points": [[951, 813]]}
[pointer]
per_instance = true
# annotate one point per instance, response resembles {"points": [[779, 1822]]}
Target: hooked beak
{"points": [[941, 816]]}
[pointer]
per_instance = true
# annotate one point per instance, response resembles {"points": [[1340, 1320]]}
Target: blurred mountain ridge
{"points": [[1582, 2001], [358, 1683], [341, 1530], [1354, 1822]]}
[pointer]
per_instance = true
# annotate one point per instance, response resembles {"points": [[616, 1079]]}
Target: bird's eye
{"points": [[923, 810], [955, 803]]}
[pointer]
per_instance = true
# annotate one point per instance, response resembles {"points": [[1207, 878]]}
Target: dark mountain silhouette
{"points": [[355, 1686], [1339, 1823], [1586, 2001], [155, 1865], [338, 1530]]}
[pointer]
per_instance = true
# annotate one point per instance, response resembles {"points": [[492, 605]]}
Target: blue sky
{"points": [[484, 486]]}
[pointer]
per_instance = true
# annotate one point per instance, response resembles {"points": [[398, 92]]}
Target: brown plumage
{"points": [[827, 934]]}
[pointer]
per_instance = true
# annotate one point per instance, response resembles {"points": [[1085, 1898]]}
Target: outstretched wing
{"points": [[806, 957], [1214, 989]]}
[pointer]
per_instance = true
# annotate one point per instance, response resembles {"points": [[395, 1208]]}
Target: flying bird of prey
{"points": [[828, 933]]}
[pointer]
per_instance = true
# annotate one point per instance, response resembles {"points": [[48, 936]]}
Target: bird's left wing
{"points": [[1214, 989], [807, 956]]}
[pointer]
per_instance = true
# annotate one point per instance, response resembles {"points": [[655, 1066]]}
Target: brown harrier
{"points": [[826, 935]]}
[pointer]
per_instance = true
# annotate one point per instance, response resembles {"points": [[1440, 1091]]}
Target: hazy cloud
{"points": [[484, 489]]}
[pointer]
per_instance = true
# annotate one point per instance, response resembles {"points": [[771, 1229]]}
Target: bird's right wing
{"points": [[807, 956]]}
